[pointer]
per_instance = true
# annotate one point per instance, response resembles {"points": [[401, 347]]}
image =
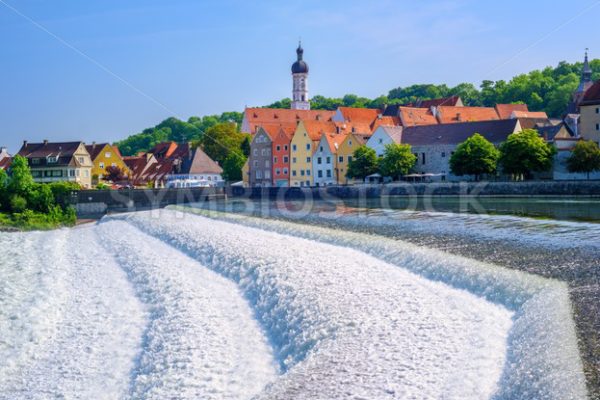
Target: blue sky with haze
{"points": [[204, 57]]}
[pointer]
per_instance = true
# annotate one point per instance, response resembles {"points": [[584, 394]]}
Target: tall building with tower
{"points": [[300, 80]]}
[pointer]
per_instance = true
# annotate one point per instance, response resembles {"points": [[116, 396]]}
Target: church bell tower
{"points": [[300, 80]]}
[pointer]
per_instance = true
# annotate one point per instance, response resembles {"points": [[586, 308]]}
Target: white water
{"points": [[161, 305]]}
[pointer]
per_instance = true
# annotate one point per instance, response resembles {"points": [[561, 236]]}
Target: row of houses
{"points": [[167, 164], [313, 148]]}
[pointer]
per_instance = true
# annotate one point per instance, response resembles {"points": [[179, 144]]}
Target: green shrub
{"points": [[62, 192], [18, 203]]}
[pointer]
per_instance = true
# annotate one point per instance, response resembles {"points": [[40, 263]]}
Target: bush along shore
{"points": [[27, 205]]}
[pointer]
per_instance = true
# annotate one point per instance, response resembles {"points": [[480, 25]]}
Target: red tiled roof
{"points": [[286, 118], [412, 116], [592, 95], [317, 128], [333, 141], [447, 115], [359, 115], [385, 121], [452, 101], [529, 114], [163, 150], [505, 110]]}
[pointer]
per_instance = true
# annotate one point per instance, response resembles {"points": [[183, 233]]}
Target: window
{"points": [[71, 173], [307, 159], [86, 173], [380, 140], [58, 174], [443, 154], [307, 183], [35, 161], [80, 159], [77, 173], [319, 160], [263, 152], [293, 147], [329, 173], [321, 149], [285, 171], [286, 160], [274, 160], [294, 173], [255, 152], [350, 143], [597, 110], [267, 163], [278, 147], [293, 160], [423, 158], [258, 174], [308, 172], [598, 127], [285, 147], [307, 146], [107, 154], [328, 160], [102, 165], [320, 174], [301, 172], [349, 159], [255, 163], [267, 174], [341, 159], [36, 174], [52, 159]]}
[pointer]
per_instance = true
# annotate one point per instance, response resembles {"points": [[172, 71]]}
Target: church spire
{"points": [[586, 74], [300, 50]]}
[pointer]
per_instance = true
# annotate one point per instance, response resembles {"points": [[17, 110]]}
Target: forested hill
{"points": [[547, 90]]}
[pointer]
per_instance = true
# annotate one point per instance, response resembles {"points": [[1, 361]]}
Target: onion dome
{"points": [[300, 67]]}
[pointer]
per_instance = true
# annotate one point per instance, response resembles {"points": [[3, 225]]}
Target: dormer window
{"points": [[107, 154], [52, 159], [35, 161]]}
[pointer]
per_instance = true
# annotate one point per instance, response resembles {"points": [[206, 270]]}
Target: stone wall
{"points": [[565, 189]]}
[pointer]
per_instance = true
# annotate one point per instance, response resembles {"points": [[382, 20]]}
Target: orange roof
{"points": [[529, 114], [334, 141], [385, 121], [448, 114], [411, 116], [505, 110], [283, 117], [360, 115], [317, 128]]}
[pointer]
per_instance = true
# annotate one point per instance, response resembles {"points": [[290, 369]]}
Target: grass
{"points": [[34, 221]]}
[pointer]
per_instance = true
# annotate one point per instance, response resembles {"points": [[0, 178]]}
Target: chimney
{"points": [[24, 143], [337, 129], [318, 117], [379, 116], [45, 142], [93, 145], [459, 117]]}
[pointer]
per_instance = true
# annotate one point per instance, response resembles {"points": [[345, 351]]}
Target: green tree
{"points": [[220, 140], [21, 181], [585, 158], [232, 167], [475, 156], [397, 160], [3, 190], [524, 153], [245, 146], [363, 163]]}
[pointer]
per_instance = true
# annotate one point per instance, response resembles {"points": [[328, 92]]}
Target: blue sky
{"points": [[186, 57]]}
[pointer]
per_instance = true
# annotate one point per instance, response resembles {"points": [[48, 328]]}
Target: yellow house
{"points": [[104, 156], [306, 138], [344, 155]]}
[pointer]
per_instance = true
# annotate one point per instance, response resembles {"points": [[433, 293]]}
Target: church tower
{"points": [[300, 78], [585, 83]]}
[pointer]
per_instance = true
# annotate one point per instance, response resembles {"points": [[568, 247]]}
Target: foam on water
{"points": [[543, 358], [344, 323]]}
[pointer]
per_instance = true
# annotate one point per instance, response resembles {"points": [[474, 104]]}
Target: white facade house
{"points": [[324, 160], [196, 170], [383, 136]]}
